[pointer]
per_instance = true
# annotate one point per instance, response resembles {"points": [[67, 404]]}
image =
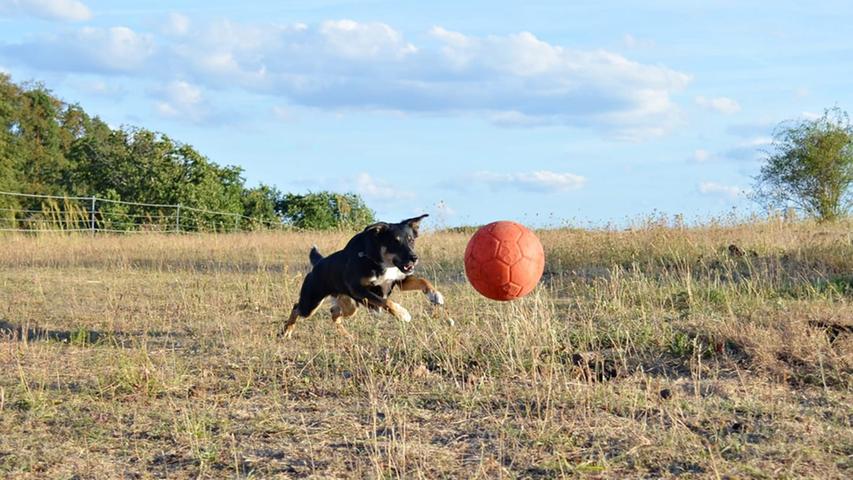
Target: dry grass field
{"points": [[654, 352]]}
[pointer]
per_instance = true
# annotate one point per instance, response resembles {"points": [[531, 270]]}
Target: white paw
{"points": [[435, 297], [403, 314]]}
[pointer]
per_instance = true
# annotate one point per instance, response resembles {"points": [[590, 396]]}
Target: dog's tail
{"points": [[314, 256]]}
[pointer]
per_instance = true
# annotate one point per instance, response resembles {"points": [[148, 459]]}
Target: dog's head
{"points": [[395, 243]]}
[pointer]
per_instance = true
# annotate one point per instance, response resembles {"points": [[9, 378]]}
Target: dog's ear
{"points": [[376, 228], [370, 241], [415, 222]]}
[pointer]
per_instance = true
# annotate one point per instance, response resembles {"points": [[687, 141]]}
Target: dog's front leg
{"points": [[417, 283], [398, 311], [434, 296], [381, 303]]}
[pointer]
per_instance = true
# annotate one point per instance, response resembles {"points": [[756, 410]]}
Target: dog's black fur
{"points": [[369, 267]]}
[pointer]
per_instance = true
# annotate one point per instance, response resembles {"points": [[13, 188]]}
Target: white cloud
{"points": [[513, 80], [541, 181], [515, 118], [719, 189], [182, 100], [526, 81], [283, 114], [99, 87], [376, 189], [720, 104], [701, 155], [631, 41], [757, 142], [360, 41], [747, 150], [88, 50], [176, 24], [747, 130], [750, 149], [64, 10]]}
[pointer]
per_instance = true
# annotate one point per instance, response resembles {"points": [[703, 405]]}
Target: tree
{"points": [[259, 205], [9, 156], [325, 210], [39, 142], [810, 166], [48, 146]]}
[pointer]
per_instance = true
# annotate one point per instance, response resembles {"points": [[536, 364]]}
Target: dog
{"points": [[365, 272]]}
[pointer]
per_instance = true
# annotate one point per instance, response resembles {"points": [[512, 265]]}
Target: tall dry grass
{"points": [[655, 352]]}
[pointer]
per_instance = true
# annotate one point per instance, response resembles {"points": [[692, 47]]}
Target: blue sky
{"points": [[547, 113]]}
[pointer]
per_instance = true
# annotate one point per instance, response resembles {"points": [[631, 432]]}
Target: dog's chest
{"points": [[392, 274]]}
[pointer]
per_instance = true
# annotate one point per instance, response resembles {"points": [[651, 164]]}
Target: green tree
{"points": [[325, 210], [9, 129], [810, 166], [9, 159], [50, 147], [38, 139], [259, 205]]}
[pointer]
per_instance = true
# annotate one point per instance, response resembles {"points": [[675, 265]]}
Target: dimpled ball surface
{"points": [[504, 260]]}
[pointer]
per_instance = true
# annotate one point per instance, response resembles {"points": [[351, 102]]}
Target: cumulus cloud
{"points": [[364, 41], [719, 104], [513, 80], [372, 189], [631, 41], [523, 80], [538, 181], [99, 87], [87, 50], [63, 10], [184, 101], [719, 189], [376, 189], [751, 130], [702, 155], [176, 24], [749, 150], [283, 113]]}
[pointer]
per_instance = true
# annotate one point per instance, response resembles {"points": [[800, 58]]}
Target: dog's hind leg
{"points": [[305, 308], [343, 306]]}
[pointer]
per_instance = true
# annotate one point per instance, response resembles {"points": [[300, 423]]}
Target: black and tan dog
{"points": [[365, 272]]}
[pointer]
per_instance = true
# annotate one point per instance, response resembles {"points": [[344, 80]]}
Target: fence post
{"points": [[92, 212], [236, 222], [178, 219]]}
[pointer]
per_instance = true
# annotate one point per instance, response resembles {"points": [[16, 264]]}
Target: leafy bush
{"points": [[325, 210]]}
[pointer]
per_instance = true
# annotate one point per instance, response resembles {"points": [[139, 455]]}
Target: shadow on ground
{"points": [[83, 336]]}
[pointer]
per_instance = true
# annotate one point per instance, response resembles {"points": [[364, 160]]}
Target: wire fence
{"points": [[25, 212]]}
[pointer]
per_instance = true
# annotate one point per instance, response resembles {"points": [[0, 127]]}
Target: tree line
{"points": [[50, 147]]}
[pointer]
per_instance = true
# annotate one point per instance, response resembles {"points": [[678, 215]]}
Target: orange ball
{"points": [[504, 260]]}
